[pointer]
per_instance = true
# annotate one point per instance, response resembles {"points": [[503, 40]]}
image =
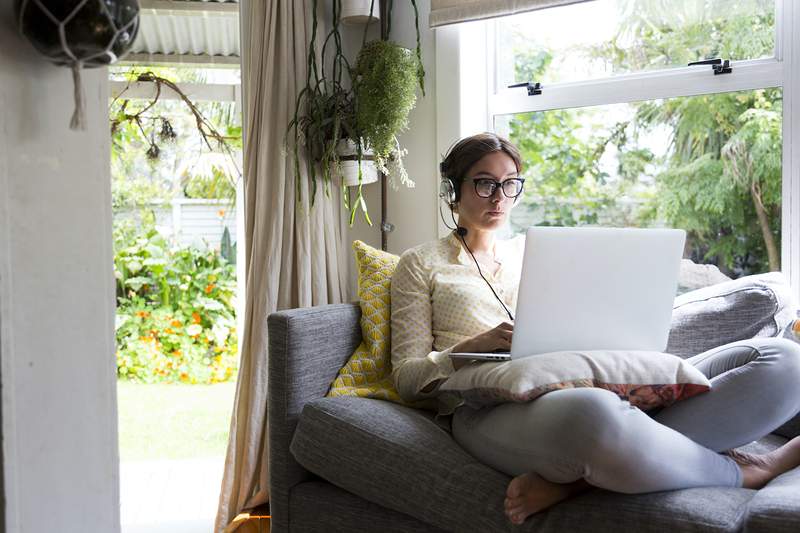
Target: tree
{"points": [[561, 152], [720, 178], [162, 155]]}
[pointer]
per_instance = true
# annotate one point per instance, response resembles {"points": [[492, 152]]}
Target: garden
{"points": [[175, 310], [176, 284]]}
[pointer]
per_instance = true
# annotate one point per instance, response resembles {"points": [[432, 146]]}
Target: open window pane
{"points": [[606, 37], [708, 164]]}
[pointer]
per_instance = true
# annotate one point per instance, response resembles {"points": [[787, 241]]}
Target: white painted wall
{"points": [[412, 211], [56, 298]]}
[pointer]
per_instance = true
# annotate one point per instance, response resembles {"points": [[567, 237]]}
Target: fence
{"points": [[189, 221]]}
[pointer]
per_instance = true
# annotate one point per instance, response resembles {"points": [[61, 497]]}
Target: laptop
{"points": [[593, 288]]}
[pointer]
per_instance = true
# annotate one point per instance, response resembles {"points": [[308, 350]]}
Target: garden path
{"points": [[170, 495]]}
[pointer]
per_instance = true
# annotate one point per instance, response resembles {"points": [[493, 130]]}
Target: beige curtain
{"points": [[454, 11], [295, 255]]}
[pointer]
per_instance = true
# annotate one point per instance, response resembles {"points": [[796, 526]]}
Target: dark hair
{"points": [[469, 150]]}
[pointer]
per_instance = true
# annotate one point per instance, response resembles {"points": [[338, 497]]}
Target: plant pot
{"points": [[348, 165], [357, 12]]}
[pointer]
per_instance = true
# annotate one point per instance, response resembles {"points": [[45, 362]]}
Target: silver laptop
{"points": [[594, 289]]}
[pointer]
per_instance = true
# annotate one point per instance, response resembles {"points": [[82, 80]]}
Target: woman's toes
{"points": [[515, 488], [512, 502]]}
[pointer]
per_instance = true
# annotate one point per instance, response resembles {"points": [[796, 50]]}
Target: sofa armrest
{"points": [[307, 347]]}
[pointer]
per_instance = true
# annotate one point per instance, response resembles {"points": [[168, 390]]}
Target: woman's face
{"points": [[486, 213]]}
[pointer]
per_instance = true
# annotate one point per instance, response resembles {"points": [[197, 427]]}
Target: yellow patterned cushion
{"points": [[368, 372]]}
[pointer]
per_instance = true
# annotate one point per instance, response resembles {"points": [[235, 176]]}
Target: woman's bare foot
{"points": [[758, 470], [530, 493]]}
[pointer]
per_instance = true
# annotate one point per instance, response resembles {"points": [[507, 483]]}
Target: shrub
{"points": [[175, 310]]}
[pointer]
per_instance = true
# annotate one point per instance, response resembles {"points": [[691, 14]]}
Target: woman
{"points": [[569, 440]]}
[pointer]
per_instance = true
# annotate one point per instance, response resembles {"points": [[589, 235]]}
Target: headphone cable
{"points": [[461, 231]]}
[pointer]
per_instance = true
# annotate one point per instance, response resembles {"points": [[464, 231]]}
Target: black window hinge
{"points": [[718, 65], [533, 88]]}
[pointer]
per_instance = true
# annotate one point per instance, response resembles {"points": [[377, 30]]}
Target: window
{"points": [[626, 133], [608, 37]]}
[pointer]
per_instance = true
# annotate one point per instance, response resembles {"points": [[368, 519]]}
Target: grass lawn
{"points": [[173, 421]]}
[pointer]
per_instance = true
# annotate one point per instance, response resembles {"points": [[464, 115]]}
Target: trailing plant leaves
{"points": [[385, 89]]}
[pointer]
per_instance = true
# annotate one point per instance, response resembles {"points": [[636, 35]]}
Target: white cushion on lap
{"points": [[646, 379]]}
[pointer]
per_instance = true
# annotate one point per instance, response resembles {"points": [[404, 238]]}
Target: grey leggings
{"points": [[590, 433]]}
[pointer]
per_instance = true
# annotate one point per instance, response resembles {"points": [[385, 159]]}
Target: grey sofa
{"points": [[353, 464]]}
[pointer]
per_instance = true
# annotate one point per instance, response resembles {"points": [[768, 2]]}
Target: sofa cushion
{"points": [[752, 306], [775, 507], [368, 372], [695, 276], [399, 458]]}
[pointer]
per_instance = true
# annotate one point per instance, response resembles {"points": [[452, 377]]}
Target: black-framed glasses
{"points": [[485, 187]]}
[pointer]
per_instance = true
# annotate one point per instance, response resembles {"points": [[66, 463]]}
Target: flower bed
{"points": [[175, 310]]}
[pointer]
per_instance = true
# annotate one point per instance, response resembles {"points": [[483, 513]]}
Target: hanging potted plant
{"points": [[353, 170], [385, 81], [344, 140]]}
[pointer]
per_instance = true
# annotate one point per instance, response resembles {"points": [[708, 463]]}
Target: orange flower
{"points": [[209, 288], [169, 331], [196, 317], [221, 213], [176, 353], [142, 314], [184, 376], [176, 323]]}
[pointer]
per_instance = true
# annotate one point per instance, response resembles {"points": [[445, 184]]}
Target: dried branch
{"points": [[166, 132]]}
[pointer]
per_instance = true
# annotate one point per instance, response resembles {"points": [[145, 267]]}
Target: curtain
{"points": [[454, 11], [294, 253]]}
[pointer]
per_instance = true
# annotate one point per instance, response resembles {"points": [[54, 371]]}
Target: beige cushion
{"points": [[646, 379]]}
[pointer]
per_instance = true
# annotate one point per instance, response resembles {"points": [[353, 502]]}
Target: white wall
{"points": [[56, 298], [412, 211]]}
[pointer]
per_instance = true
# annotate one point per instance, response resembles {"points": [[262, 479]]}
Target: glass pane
{"points": [[708, 164], [606, 37]]}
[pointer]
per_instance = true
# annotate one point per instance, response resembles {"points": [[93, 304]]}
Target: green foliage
{"points": [[226, 249], [385, 93], [668, 33], [175, 310], [182, 160], [724, 157], [561, 151], [723, 145]]}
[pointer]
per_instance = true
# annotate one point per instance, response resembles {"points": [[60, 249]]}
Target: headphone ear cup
{"points": [[447, 191]]}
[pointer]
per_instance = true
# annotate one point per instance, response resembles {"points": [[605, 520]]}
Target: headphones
{"points": [[449, 188]]}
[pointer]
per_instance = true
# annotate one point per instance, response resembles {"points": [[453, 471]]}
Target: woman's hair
{"points": [[469, 150]]}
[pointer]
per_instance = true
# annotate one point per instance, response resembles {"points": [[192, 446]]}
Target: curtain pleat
{"points": [[294, 252], [445, 12]]}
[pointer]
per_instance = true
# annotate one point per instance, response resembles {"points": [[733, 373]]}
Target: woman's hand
{"points": [[496, 339]]}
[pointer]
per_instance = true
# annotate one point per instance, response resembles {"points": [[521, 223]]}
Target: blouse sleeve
{"points": [[414, 362]]}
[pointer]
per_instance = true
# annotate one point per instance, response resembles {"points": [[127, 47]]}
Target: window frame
{"points": [[465, 53]]}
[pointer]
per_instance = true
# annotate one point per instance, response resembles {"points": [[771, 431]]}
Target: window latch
{"points": [[718, 65], [533, 88]]}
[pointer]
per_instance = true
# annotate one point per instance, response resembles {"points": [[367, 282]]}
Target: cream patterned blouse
{"points": [[439, 299]]}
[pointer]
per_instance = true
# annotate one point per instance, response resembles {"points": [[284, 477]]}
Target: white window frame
{"points": [[467, 102]]}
